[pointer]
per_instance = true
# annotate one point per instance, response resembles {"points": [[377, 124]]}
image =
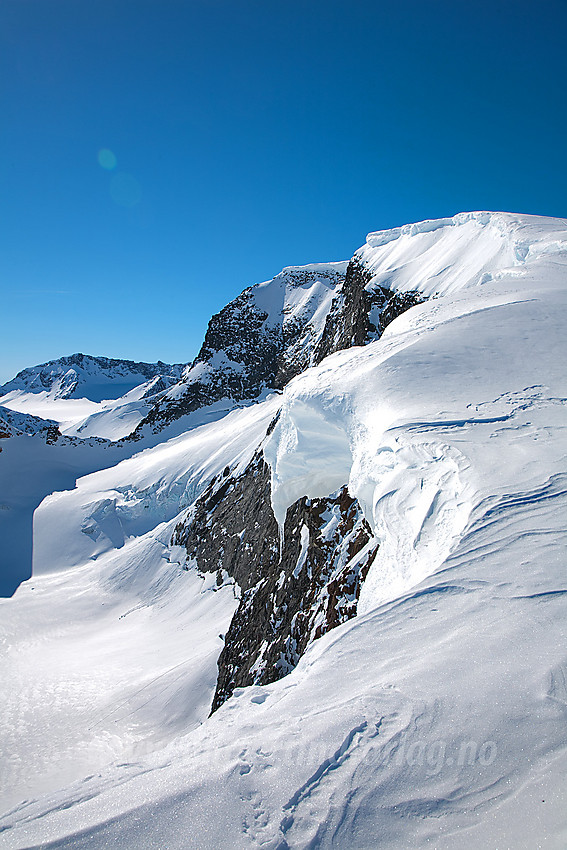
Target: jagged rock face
{"points": [[238, 359], [293, 589], [273, 332], [259, 341], [360, 312]]}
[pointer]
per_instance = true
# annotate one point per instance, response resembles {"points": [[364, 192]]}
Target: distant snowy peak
{"points": [[94, 378]]}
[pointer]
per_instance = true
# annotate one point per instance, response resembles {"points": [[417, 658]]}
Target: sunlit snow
{"points": [[436, 717]]}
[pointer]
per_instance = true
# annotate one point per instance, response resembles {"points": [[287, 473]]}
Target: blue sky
{"points": [[247, 136]]}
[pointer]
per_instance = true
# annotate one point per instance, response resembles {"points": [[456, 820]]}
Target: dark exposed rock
{"points": [[360, 313], [52, 435], [247, 351], [293, 589], [297, 586], [238, 360]]}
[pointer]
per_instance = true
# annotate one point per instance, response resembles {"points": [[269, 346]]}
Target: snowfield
{"points": [[436, 718]]}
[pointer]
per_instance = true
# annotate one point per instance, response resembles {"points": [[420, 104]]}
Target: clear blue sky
{"points": [[248, 136]]}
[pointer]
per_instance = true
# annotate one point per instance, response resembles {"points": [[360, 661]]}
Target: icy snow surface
{"points": [[437, 717]]}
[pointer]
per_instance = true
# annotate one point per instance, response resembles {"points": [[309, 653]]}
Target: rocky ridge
{"points": [[14, 424], [274, 331], [296, 582]]}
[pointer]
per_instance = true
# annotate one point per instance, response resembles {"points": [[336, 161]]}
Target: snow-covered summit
{"points": [[261, 339], [276, 329], [84, 376], [444, 256]]}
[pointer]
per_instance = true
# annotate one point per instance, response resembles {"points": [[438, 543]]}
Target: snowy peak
{"points": [[84, 376], [275, 330], [259, 341], [90, 396], [445, 256]]}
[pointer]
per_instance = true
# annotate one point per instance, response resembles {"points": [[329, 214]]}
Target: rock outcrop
{"points": [[274, 331], [296, 583], [361, 312], [299, 581]]}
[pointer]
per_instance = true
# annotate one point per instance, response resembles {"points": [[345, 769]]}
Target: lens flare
{"points": [[106, 159]]}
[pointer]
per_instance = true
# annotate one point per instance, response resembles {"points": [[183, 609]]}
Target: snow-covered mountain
{"points": [[83, 376], [274, 331], [90, 396], [352, 553], [258, 342]]}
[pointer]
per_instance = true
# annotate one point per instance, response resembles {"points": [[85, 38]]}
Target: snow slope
{"points": [[116, 418], [113, 506], [104, 578], [32, 465], [436, 717]]}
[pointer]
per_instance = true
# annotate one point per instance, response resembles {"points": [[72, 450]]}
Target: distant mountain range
{"points": [[84, 376]]}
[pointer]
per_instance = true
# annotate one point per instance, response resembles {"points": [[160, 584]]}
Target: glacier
{"points": [[435, 717]]}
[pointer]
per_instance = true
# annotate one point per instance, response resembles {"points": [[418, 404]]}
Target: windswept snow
{"points": [[448, 255], [444, 403], [436, 717]]}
